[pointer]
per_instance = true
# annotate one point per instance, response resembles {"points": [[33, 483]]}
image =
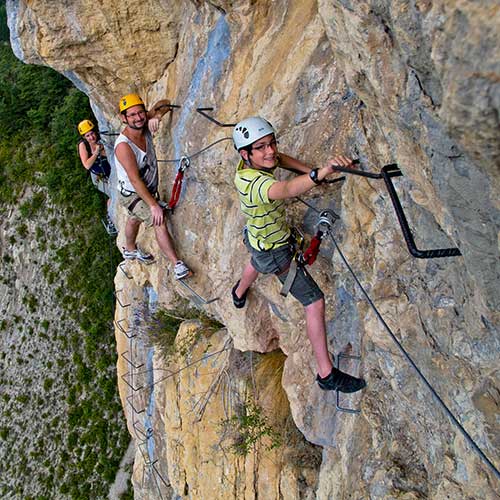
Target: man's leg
{"points": [[131, 231], [165, 243], [316, 331]]}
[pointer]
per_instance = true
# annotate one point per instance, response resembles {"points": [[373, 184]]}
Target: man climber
{"points": [[267, 233], [137, 173]]}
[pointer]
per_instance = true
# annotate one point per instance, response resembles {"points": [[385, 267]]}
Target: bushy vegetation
{"points": [[39, 110], [163, 327]]}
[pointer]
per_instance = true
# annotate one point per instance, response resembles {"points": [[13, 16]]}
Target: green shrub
{"points": [[248, 427]]}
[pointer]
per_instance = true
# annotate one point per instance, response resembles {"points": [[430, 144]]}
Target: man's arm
{"points": [[156, 113], [282, 190], [127, 159], [159, 109]]}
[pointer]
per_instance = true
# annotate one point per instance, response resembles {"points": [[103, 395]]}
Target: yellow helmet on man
{"points": [[85, 126], [129, 100]]}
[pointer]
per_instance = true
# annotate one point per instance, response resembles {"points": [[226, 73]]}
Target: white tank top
{"points": [[146, 162]]}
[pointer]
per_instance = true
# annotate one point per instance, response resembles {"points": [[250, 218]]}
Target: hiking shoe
{"points": [[181, 270], [340, 381], [138, 254], [239, 302]]}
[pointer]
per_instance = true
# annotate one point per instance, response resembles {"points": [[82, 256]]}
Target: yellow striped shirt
{"points": [[266, 219]]}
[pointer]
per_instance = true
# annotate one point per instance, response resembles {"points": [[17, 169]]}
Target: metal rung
{"points": [[148, 462], [120, 327], [137, 412], [121, 266], [147, 433], [135, 389], [337, 403], [159, 475], [196, 296], [129, 361], [118, 300]]}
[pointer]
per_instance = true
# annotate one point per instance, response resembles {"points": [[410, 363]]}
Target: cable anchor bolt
{"points": [[326, 221]]}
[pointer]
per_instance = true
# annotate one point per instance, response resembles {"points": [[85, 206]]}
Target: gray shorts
{"points": [[276, 261]]}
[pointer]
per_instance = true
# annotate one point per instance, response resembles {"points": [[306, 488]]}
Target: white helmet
{"points": [[250, 130]]}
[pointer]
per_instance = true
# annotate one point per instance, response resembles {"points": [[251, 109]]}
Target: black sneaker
{"points": [[340, 381], [239, 302]]}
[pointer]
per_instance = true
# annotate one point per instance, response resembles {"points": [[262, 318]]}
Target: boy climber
{"points": [[137, 172], [267, 233]]}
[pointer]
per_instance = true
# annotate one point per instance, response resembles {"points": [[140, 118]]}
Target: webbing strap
{"points": [[290, 278], [132, 205], [312, 251], [176, 190]]}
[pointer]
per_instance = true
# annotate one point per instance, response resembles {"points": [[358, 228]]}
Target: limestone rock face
{"points": [[391, 81]]}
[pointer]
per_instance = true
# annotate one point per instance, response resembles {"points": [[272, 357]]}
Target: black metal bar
{"points": [[213, 120], [167, 106], [392, 171], [403, 222]]}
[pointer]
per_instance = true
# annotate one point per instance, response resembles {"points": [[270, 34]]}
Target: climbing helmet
{"points": [[129, 100], [85, 126], [250, 130]]}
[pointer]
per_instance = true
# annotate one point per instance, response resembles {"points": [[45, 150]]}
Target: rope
{"points": [[448, 412], [194, 155]]}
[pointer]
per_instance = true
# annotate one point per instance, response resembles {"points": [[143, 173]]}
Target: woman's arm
{"points": [[86, 159]]}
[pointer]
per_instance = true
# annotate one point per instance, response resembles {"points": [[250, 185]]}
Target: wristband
{"points": [[313, 175]]}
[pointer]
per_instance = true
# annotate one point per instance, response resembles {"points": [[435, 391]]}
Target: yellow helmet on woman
{"points": [[85, 126], [129, 100]]}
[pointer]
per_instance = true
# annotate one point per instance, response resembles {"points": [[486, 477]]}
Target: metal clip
{"points": [[183, 163]]}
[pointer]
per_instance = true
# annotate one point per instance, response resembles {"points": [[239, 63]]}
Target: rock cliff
{"points": [[413, 83]]}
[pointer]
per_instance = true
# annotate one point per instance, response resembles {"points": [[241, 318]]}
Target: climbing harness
{"points": [[176, 188], [386, 173], [441, 403], [308, 257]]}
